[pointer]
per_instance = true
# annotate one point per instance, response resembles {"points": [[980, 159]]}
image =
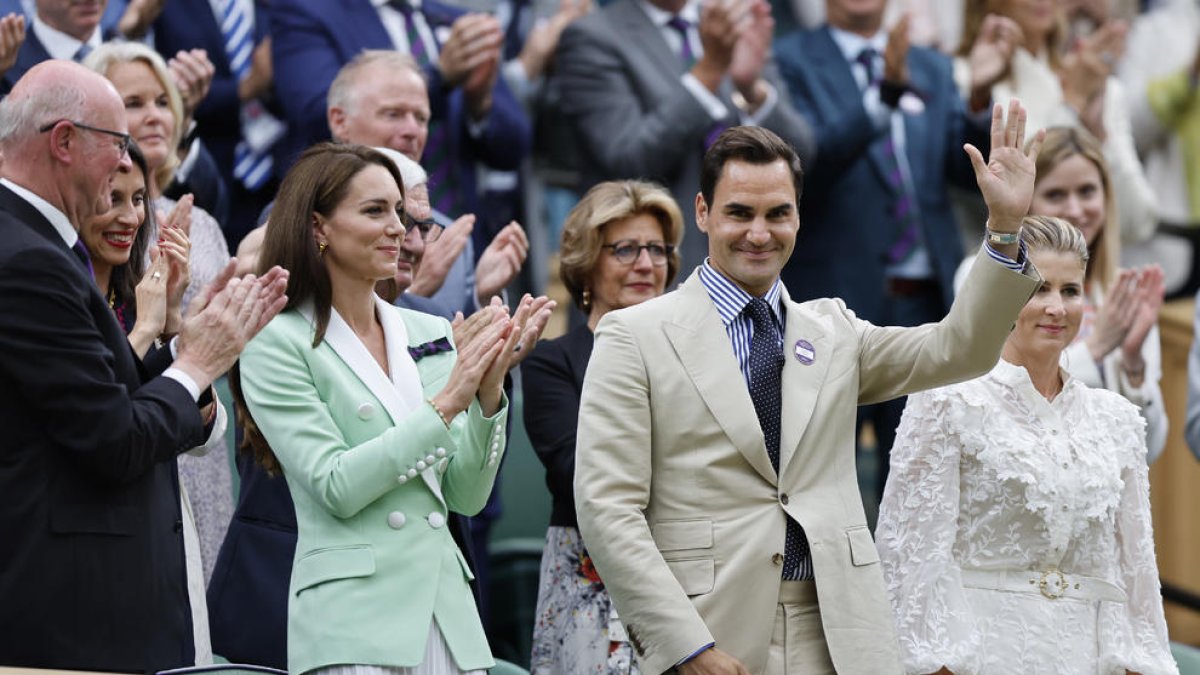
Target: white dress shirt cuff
{"points": [[185, 380], [708, 100]]}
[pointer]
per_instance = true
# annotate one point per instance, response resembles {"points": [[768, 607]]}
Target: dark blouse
{"points": [[552, 381]]}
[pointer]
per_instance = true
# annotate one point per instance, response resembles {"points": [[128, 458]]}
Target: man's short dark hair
{"points": [[754, 145]]}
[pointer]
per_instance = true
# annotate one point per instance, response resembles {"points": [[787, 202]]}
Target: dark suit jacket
{"points": [[32, 53], [193, 25], [621, 87], [312, 39], [846, 216], [552, 381], [91, 570]]}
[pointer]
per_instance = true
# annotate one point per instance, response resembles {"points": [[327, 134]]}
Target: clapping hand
{"points": [[991, 54], [523, 330], [478, 341], [1150, 291], [1006, 180], [501, 261], [12, 36]]}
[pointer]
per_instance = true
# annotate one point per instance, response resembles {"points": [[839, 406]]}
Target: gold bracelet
{"points": [[439, 412]]}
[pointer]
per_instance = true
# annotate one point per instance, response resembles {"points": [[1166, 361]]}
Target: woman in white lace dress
{"points": [[1015, 528]]}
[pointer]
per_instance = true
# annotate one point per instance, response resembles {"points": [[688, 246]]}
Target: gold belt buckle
{"points": [[1050, 587]]}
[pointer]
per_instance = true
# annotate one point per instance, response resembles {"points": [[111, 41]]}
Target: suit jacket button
{"points": [[396, 520], [420, 465], [783, 499], [436, 520], [366, 411], [441, 452], [777, 559]]}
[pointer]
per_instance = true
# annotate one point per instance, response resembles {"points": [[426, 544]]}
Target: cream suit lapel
{"points": [[807, 354], [699, 339]]}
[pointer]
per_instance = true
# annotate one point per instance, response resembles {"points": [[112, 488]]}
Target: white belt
{"points": [[1052, 583]]}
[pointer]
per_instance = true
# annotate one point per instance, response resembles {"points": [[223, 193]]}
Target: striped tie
{"points": [[250, 166], [442, 193], [904, 216]]}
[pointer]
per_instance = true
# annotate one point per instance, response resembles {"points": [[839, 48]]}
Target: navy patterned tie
{"points": [[766, 383]]}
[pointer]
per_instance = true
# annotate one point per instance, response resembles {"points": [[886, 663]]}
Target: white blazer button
{"points": [[412, 473], [402, 479], [495, 446], [436, 520], [396, 520], [366, 411], [441, 452], [430, 459], [420, 466]]}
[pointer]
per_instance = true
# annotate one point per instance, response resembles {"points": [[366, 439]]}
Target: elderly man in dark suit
{"points": [[92, 569], [649, 84]]}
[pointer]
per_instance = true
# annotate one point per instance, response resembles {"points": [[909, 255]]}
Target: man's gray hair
{"points": [[341, 90], [410, 172], [22, 116]]}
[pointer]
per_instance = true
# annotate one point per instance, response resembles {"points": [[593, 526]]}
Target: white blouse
{"points": [[989, 475]]}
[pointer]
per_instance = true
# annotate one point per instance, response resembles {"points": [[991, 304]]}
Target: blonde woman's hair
{"points": [[1061, 144], [103, 58], [1054, 235], [608, 202]]}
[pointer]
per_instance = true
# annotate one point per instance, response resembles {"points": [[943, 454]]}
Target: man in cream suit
{"points": [[715, 478]]}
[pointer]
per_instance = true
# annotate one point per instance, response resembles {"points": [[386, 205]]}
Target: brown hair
{"points": [[754, 145], [609, 202], [1061, 144], [316, 184]]}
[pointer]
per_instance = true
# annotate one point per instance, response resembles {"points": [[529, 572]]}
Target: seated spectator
{"points": [[154, 112], [618, 250]]}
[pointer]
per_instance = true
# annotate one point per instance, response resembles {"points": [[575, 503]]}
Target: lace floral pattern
{"points": [[989, 475]]}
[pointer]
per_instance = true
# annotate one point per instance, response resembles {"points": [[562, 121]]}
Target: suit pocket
{"points": [[331, 564], [862, 547], [697, 577], [680, 535], [92, 519]]}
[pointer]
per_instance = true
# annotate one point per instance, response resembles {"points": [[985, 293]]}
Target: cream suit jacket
{"points": [[678, 502]]}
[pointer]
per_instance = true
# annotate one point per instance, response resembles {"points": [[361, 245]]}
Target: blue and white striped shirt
{"points": [[730, 301]]}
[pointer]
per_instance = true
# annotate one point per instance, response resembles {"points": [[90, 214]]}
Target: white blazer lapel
{"points": [[405, 377]]}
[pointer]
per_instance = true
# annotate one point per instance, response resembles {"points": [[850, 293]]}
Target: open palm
{"points": [[1006, 180]]}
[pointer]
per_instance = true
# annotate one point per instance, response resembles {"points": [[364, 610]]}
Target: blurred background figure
{"points": [[618, 249]]}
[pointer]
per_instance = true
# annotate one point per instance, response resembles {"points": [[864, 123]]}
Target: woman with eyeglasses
{"points": [[618, 249]]}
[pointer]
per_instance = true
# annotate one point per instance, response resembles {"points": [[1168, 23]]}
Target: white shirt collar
{"points": [[852, 44], [659, 17], [57, 218], [58, 44]]}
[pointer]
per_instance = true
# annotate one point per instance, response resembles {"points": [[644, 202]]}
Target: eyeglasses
{"points": [[123, 139], [428, 228], [627, 251]]}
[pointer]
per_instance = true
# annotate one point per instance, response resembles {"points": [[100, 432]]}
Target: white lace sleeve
{"points": [[915, 536], [1133, 635]]}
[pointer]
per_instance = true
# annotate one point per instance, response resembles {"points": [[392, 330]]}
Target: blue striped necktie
{"points": [[250, 166], [904, 216]]}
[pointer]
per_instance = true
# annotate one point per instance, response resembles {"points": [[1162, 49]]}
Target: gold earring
{"points": [[587, 298], [321, 246]]}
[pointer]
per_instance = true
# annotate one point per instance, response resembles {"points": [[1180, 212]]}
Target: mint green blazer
{"points": [[372, 475]]}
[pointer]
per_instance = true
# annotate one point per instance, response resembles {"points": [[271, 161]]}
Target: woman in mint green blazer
{"points": [[380, 423]]}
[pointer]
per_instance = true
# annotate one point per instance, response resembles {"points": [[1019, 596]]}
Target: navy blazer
{"points": [[92, 565], [846, 210], [312, 39], [32, 53]]}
